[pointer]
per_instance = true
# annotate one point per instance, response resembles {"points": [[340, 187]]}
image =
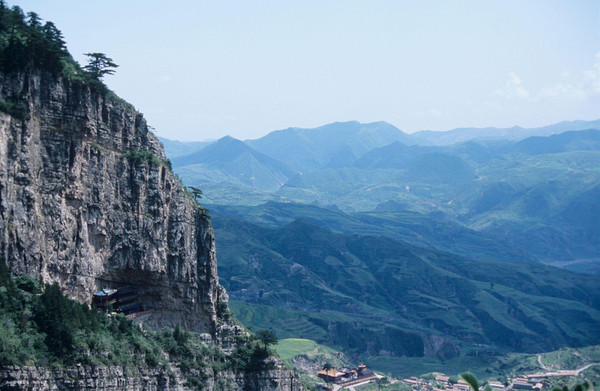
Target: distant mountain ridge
{"points": [[273, 160], [582, 140], [233, 161], [174, 148], [509, 190], [516, 133], [307, 149], [423, 137]]}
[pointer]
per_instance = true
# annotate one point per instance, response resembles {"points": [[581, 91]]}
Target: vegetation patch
{"points": [[140, 157], [292, 347], [15, 107]]}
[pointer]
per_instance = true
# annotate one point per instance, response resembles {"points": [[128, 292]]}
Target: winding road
{"points": [[564, 372]]}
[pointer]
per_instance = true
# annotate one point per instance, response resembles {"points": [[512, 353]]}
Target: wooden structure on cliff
{"points": [[121, 300]]}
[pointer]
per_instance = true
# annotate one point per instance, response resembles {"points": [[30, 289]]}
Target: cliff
{"points": [[115, 378], [87, 200]]}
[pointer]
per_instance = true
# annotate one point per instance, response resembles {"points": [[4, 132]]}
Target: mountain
{"points": [[375, 296], [583, 140], [394, 155], [406, 250], [174, 148], [455, 136], [482, 200], [232, 161], [307, 149], [507, 191]]}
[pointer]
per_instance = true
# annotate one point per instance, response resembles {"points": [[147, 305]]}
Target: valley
{"points": [[408, 253]]}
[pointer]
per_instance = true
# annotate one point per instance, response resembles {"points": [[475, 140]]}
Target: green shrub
{"points": [[28, 284], [194, 383], [151, 360], [139, 157], [15, 107]]}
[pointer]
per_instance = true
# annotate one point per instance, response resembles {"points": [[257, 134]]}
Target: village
{"points": [[535, 381], [353, 379], [443, 382]]}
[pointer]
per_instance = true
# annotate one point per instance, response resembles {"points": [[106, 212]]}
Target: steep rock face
{"points": [[115, 378], [87, 201]]}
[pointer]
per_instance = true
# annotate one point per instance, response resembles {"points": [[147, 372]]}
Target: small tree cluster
{"points": [[26, 42]]}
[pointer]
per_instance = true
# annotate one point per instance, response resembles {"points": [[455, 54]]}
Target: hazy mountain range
{"points": [[533, 194], [386, 133], [430, 244]]}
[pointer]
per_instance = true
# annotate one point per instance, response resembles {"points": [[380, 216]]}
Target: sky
{"points": [[201, 70]]}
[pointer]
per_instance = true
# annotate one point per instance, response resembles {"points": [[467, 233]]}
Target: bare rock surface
{"points": [[116, 379], [88, 200]]}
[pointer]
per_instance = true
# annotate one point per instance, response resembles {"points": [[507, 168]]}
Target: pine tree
{"points": [[99, 65]]}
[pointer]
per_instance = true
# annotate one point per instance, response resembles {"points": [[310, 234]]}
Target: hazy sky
{"points": [[205, 69]]}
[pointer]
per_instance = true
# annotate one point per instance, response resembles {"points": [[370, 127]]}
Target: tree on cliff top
{"points": [[25, 41], [99, 65], [267, 338]]}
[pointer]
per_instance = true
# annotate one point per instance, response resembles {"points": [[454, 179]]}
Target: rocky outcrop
{"points": [[119, 379], [87, 200], [85, 378]]}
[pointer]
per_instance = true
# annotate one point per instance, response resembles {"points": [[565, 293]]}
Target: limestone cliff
{"points": [[87, 200], [116, 379]]}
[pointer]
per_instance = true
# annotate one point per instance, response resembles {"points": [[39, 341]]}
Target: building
{"points": [[520, 384], [461, 385], [331, 375], [345, 374], [121, 300], [496, 386]]}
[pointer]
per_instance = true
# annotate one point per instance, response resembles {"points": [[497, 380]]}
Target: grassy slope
{"points": [[291, 347]]}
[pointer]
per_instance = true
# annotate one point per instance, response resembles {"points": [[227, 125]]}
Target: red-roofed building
{"points": [[331, 375]]}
